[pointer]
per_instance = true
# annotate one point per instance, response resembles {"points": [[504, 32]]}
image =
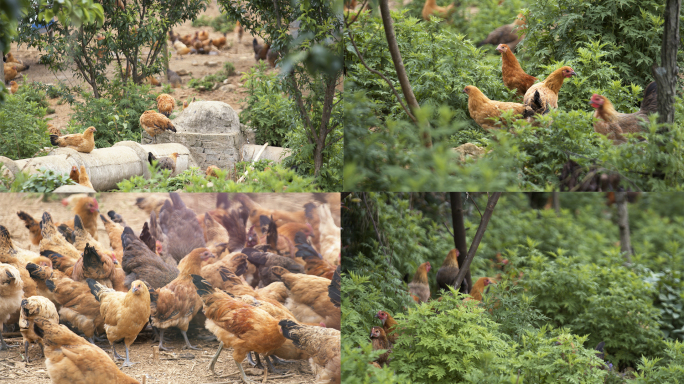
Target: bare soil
{"points": [[241, 55], [178, 366]]}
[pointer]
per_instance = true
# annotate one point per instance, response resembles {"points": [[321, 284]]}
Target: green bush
{"points": [[632, 29], [667, 370], [268, 111], [220, 23], [274, 179], [116, 116], [23, 132], [45, 181], [34, 92]]}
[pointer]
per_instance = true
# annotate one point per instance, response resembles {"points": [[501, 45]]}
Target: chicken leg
{"points": [[3, 346], [161, 341], [127, 362], [116, 355], [273, 368], [242, 373], [256, 364], [215, 358], [187, 342]]}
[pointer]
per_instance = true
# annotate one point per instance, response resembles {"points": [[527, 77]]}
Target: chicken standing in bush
{"points": [[237, 324], [379, 341], [389, 325], [506, 34], [480, 287], [10, 295], [165, 104], [432, 9], [447, 273], [513, 75], [71, 359], [125, 314], [260, 51], [14, 87], [613, 124], [155, 123], [82, 142], [485, 112], [323, 344], [419, 287], [541, 97], [32, 308]]}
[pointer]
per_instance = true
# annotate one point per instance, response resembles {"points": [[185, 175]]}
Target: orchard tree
{"points": [[76, 13], [307, 34], [132, 35]]}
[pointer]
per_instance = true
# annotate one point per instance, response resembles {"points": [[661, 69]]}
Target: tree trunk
{"points": [[318, 155], [623, 224], [465, 267], [460, 235], [2, 70], [666, 74], [556, 202], [399, 67]]}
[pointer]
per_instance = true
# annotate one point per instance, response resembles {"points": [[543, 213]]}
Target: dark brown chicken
{"points": [[140, 263], [613, 124], [264, 261], [446, 275], [379, 341], [181, 231]]}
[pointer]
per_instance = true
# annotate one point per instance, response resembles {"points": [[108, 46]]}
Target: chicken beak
{"points": [[135, 289], [573, 73]]}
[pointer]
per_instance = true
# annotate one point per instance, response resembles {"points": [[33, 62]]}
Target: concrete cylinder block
{"points": [[105, 166]]}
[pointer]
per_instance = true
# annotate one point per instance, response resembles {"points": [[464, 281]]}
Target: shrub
{"points": [[267, 110], [116, 116], [272, 179], [22, 129], [44, 181], [34, 92], [667, 370], [632, 28]]}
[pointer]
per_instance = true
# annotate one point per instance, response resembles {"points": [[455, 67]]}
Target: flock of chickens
{"points": [[419, 288], [539, 98], [266, 281]]}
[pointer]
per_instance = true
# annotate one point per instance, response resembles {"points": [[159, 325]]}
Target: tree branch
{"points": [[399, 67], [465, 266], [389, 82], [460, 237]]}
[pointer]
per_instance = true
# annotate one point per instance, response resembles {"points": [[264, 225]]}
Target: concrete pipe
{"points": [[107, 166]]}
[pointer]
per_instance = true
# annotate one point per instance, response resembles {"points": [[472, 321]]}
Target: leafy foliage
{"points": [[268, 112], [23, 132], [270, 179], [44, 181], [116, 116], [132, 37], [384, 147], [633, 30], [564, 288]]}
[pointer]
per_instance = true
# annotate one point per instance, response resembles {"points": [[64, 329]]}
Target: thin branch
{"points": [[396, 94], [446, 226], [465, 267], [475, 204], [370, 214]]}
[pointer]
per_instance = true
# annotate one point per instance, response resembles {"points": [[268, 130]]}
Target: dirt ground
{"points": [[241, 55], [178, 366]]}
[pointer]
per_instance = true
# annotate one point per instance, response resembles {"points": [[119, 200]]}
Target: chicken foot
{"points": [[273, 368], [251, 360], [215, 358], [187, 342], [127, 362], [3, 346], [161, 341], [242, 373]]}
